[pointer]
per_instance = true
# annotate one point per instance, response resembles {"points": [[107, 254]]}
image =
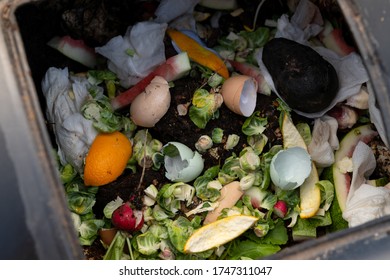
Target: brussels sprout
{"points": [[249, 160], [204, 107], [80, 203], [254, 124], [104, 119], [203, 207], [179, 231], [170, 195], [89, 230], [204, 189], [232, 141], [148, 243], [215, 80], [261, 229], [67, 173], [145, 148], [204, 143], [217, 135], [160, 214], [151, 191], [247, 181], [111, 207], [158, 230], [257, 142]]}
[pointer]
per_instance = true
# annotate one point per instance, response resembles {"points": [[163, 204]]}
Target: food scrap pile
{"points": [[214, 129]]}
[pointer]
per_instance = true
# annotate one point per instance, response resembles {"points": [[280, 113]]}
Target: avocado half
{"points": [[302, 77]]}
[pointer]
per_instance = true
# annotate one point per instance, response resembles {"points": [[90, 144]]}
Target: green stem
{"points": [[130, 248], [115, 250]]}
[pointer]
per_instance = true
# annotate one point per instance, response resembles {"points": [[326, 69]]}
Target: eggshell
{"points": [[185, 166], [289, 168], [152, 104], [239, 94]]}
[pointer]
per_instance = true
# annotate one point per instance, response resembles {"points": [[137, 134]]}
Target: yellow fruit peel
{"points": [[198, 53], [218, 233], [309, 191], [291, 136]]}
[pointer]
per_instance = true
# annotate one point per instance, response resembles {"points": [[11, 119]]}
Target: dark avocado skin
{"points": [[303, 78]]}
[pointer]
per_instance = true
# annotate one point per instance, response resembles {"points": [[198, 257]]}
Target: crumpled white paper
{"points": [[146, 41], [365, 202], [350, 69], [65, 96]]}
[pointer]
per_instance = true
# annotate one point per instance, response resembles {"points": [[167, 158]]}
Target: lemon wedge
{"points": [[218, 233], [309, 191]]}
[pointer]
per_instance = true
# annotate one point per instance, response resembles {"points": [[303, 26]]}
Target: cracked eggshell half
{"points": [[240, 94], [181, 163], [151, 104], [289, 168]]}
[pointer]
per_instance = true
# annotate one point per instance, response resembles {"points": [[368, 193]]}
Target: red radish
{"points": [[254, 72], [174, 68], [280, 208], [127, 218], [74, 49]]}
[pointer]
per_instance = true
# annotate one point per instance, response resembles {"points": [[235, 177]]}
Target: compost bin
{"points": [[40, 222]]}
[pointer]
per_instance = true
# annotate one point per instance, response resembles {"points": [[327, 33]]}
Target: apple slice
{"points": [[342, 179], [309, 191]]}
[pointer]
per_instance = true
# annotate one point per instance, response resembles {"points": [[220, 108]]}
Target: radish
{"points": [[74, 49], [174, 68], [254, 72], [280, 208], [128, 219]]}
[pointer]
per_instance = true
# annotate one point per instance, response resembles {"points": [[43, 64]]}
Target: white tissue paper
{"points": [[145, 42], [65, 95], [365, 202]]}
